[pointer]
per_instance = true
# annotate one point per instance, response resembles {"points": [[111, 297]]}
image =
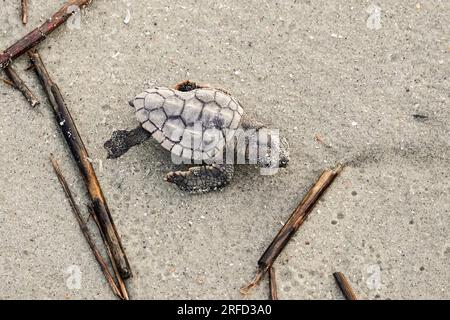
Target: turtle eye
{"points": [[283, 163]]}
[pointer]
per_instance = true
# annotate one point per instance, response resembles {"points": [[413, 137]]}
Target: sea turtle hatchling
{"points": [[202, 126]]}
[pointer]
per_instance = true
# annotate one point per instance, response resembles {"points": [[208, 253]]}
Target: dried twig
{"points": [[20, 85], [291, 226], [84, 229], [24, 11], [9, 83], [273, 284], [120, 281], [345, 286], [39, 34], [79, 152]]}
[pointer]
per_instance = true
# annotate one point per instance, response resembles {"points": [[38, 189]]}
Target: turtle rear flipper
{"points": [[122, 140], [202, 178], [188, 85]]}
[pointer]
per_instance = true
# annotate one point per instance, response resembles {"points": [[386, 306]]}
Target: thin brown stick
{"points": [[345, 286], [291, 226], [31, 66], [24, 11], [84, 228], [9, 83], [81, 156], [40, 33], [20, 85], [273, 284], [120, 281]]}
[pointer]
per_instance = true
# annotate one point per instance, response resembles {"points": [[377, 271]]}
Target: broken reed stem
{"points": [[273, 284], [24, 11], [20, 85], [122, 286], [9, 83], [84, 229], [40, 33], [291, 226], [345, 286], [81, 156]]}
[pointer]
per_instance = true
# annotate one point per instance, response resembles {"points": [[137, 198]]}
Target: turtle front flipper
{"points": [[202, 179]]}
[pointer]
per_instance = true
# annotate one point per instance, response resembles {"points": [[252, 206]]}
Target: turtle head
{"points": [[284, 153], [276, 155]]}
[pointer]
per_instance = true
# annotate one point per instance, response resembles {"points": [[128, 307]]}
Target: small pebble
{"points": [[127, 17]]}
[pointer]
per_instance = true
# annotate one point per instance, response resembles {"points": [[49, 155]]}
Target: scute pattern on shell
{"points": [[174, 118]]}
